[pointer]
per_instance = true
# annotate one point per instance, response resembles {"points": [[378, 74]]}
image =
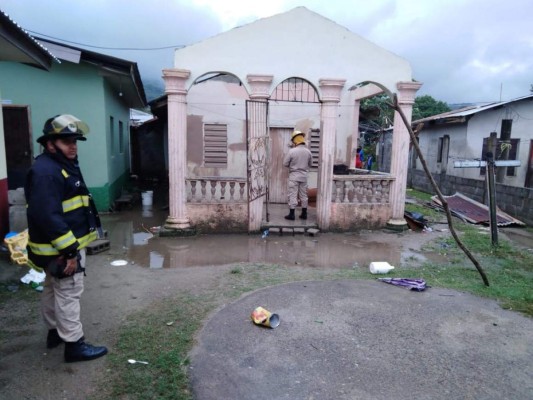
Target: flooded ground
{"points": [[130, 233]]}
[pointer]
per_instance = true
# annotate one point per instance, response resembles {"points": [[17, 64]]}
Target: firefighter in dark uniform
{"points": [[62, 221]]}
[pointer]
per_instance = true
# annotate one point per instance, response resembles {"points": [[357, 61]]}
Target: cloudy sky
{"points": [[462, 50]]}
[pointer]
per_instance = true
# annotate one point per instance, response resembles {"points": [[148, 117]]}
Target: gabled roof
{"points": [[17, 45], [463, 114], [298, 43], [121, 74]]}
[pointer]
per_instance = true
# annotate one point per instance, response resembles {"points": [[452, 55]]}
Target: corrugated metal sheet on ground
{"points": [[476, 213]]}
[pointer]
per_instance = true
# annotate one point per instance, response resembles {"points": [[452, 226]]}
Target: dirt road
{"points": [[29, 371]]}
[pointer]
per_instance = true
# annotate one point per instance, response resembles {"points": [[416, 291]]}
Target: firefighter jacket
{"points": [[62, 217]]}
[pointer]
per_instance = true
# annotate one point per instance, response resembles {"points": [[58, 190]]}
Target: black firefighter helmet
{"points": [[63, 126]]}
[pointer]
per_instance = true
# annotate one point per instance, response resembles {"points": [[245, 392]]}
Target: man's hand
{"points": [[72, 264]]}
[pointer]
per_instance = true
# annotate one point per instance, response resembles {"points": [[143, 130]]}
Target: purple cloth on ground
{"points": [[413, 284]]}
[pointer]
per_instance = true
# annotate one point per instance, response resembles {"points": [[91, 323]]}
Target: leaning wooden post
{"points": [[398, 109], [492, 188]]}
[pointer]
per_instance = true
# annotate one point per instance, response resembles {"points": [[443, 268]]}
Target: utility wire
{"points": [[107, 48]]}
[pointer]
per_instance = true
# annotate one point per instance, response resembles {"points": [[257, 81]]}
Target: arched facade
{"points": [[305, 51]]}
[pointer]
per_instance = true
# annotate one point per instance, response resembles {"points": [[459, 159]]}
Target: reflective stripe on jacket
{"points": [[61, 214]]}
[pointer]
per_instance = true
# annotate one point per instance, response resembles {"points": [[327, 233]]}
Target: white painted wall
{"points": [[298, 43]]}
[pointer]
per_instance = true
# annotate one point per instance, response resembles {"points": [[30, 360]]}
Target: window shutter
{"points": [[314, 146], [215, 145]]}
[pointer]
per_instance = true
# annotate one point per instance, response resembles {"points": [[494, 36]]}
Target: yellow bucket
{"points": [[262, 316]]}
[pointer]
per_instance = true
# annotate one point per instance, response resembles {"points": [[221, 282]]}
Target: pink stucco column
{"points": [[355, 132], [330, 96], [400, 152], [175, 80], [257, 128]]}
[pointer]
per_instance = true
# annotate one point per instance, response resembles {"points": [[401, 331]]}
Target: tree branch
{"points": [[414, 142]]}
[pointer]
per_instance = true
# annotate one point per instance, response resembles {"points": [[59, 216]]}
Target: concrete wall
{"points": [[517, 202], [354, 217], [219, 218], [216, 102]]}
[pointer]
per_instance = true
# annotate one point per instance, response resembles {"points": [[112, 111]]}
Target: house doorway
{"points": [[294, 105], [279, 175], [18, 143]]}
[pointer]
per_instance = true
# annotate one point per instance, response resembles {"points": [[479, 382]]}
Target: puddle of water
{"points": [[141, 238], [129, 233], [156, 260], [325, 251]]}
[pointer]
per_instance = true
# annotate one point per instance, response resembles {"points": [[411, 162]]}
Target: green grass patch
{"points": [[162, 335], [509, 269], [422, 199], [422, 196], [430, 214]]}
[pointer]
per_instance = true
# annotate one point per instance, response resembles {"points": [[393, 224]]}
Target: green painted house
{"points": [[16, 46], [97, 89]]}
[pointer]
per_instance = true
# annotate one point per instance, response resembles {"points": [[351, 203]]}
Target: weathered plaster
{"points": [[351, 217], [219, 218], [195, 139]]}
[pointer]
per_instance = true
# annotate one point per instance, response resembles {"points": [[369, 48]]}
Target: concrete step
{"points": [[285, 231]]}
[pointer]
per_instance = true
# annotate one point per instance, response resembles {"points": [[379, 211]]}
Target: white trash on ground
{"points": [[380, 267]]}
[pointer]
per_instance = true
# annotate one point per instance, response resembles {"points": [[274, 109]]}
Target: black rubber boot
{"points": [[303, 215], [81, 351], [291, 215], [53, 339]]}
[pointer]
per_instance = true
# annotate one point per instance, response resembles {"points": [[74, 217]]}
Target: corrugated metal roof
{"points": [[476, 213], [470, 110], [13, 35]]}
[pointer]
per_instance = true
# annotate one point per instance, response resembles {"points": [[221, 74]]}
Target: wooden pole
{"points": [[492, 189], [412, 134]]}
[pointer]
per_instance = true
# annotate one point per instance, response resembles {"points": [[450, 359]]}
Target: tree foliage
{"points": [[426, 106], [377, 115], [376, 112]]}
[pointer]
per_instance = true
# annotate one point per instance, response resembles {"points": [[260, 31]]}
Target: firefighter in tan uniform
{"points": [[299, 159], [62, 221]]}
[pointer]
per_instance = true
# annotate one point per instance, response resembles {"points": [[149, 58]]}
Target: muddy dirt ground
{"points": [[157, 268]]}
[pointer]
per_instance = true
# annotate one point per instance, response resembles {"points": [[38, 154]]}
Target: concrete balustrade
{"points": [[215, 190], [371, 188]]}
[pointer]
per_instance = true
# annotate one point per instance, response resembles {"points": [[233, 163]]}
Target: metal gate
{"points": [[258, 149]]}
